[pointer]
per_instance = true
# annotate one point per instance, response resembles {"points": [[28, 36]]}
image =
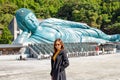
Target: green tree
{"points": [[65, 12], [6, 36], [114, 28]]}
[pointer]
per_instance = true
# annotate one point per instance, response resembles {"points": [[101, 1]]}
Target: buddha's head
{"points": [[26, 20]]}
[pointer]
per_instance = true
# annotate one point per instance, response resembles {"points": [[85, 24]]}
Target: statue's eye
{"points": [[30, 19]]}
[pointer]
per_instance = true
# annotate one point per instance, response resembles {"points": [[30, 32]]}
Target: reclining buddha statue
{"points": [[46, 31]]}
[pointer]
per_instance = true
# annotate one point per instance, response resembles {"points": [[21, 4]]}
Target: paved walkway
{"points": [[103, 67]]}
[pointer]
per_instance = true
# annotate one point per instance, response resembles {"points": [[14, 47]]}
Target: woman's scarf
{"points": [[55, 55]]}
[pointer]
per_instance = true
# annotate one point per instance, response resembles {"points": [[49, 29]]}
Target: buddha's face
{"points": [[31, 22], [26, 20]]}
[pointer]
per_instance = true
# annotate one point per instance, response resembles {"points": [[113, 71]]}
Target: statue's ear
{"points": [[22, 27]]}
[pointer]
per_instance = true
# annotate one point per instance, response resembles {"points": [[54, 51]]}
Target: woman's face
{"points": [[58, 45]]}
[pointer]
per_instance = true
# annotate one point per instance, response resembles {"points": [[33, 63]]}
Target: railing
{"points": [[43, 51]]}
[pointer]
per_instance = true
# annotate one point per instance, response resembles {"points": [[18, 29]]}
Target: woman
{"points": [[59, 61]]}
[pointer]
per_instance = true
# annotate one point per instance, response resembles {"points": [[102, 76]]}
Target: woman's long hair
{"points": [[61, 43]]}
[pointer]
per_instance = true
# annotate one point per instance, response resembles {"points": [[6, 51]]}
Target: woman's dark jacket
{"points": [[58, 66]]}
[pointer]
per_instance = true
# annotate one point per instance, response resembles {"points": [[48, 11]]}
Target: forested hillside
{"points": [[102, 14]]}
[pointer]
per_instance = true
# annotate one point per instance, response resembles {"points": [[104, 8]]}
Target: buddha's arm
{"points": [[53, 22]]}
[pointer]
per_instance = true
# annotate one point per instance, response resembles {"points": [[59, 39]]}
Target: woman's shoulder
{"points": [[64, 51]]}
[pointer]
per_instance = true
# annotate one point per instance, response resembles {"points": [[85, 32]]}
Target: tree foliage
{"points": [[6, 37]]}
